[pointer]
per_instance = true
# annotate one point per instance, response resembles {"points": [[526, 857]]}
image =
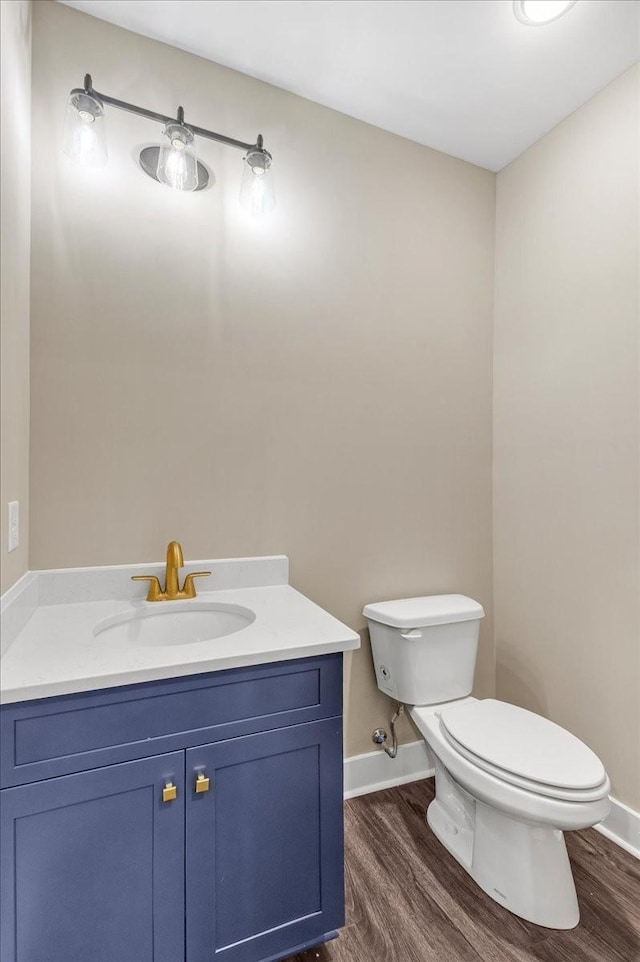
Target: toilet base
{"points": [[522, 865]]}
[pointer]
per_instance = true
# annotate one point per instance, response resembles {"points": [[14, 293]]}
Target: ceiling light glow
{"points": [[536, 13]]}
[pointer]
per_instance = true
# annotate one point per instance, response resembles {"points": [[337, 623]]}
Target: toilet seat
{"points": [[575, 810], [540, 788], [524, 749]]}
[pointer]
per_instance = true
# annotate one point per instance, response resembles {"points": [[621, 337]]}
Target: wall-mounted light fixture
{"points": [[173, 162]]}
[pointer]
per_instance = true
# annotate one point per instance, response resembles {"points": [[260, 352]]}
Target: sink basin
{"points": [[174, 623]]}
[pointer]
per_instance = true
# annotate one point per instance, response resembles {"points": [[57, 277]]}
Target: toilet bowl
{"points": [[508, 782]]}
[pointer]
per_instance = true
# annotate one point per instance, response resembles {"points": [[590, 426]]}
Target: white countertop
{"points": [[56, 652]]}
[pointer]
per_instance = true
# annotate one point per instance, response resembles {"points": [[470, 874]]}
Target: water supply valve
{"points": [[379, 736]]}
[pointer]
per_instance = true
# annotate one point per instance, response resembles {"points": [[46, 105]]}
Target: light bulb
{"points": [[535, 13], [257, 191], [83, 135], [177, 165]]}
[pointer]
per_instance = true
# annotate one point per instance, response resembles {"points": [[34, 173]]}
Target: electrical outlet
{"points": [[14, 525]]}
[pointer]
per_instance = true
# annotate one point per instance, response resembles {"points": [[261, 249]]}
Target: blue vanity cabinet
{"points": [[96, 866], [93, 866], [264, 865]]}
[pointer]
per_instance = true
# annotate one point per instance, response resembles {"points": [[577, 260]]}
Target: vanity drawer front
{"points": [[72, 733]]}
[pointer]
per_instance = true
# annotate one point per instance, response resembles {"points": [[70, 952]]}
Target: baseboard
{"points": [[374, 770], [622, 826]]}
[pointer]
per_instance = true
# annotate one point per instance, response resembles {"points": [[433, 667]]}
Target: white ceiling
{"points": [[463, 76]]}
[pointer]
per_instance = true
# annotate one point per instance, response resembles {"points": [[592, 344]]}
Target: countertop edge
{"points": [[139, 676]]}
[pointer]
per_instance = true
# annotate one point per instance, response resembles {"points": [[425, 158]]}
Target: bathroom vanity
{"points": [[192, 816]]}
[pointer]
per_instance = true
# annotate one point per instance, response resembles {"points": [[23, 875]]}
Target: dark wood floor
{"points": [[408, 900]]}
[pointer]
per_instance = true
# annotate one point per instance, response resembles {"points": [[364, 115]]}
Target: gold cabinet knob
{"points": [[169, 792], [202, 783]]}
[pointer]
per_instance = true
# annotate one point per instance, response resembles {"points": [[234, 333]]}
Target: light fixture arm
{"points": [[163, 119]]}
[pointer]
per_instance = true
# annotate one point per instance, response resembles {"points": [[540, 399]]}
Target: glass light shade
{"points": [[535, 13], [83, 135], [257, 190], [177, 164]]}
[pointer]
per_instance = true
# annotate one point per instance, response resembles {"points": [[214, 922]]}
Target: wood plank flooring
{"points": [[408, 900]]}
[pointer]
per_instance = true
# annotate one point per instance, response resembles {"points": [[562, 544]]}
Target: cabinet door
{"points": [[265, 843], [93, 866]]}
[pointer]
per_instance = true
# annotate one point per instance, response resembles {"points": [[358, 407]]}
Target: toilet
{"points": [[509, 782]]}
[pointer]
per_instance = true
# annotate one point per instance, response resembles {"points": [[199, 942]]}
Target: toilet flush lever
{"points": [[411, 635]]}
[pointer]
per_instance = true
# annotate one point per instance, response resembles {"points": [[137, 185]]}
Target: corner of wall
{"points": [[15, 258]]}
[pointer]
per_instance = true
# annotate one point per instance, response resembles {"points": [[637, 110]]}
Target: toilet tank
{"points": [[424, 649]]}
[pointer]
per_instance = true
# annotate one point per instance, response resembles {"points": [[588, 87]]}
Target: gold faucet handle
{"points": [[155, 590], [189, 589]]}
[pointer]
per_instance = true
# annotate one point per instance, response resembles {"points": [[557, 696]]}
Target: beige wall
{"points": [[15, 193], [321, 385], [566, 431], [318, 386]]}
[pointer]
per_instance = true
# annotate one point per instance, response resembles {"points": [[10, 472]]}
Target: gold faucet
{"points": [[172, 590]]}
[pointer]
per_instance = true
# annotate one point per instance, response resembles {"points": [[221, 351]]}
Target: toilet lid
{"points": [[524, 744]]}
